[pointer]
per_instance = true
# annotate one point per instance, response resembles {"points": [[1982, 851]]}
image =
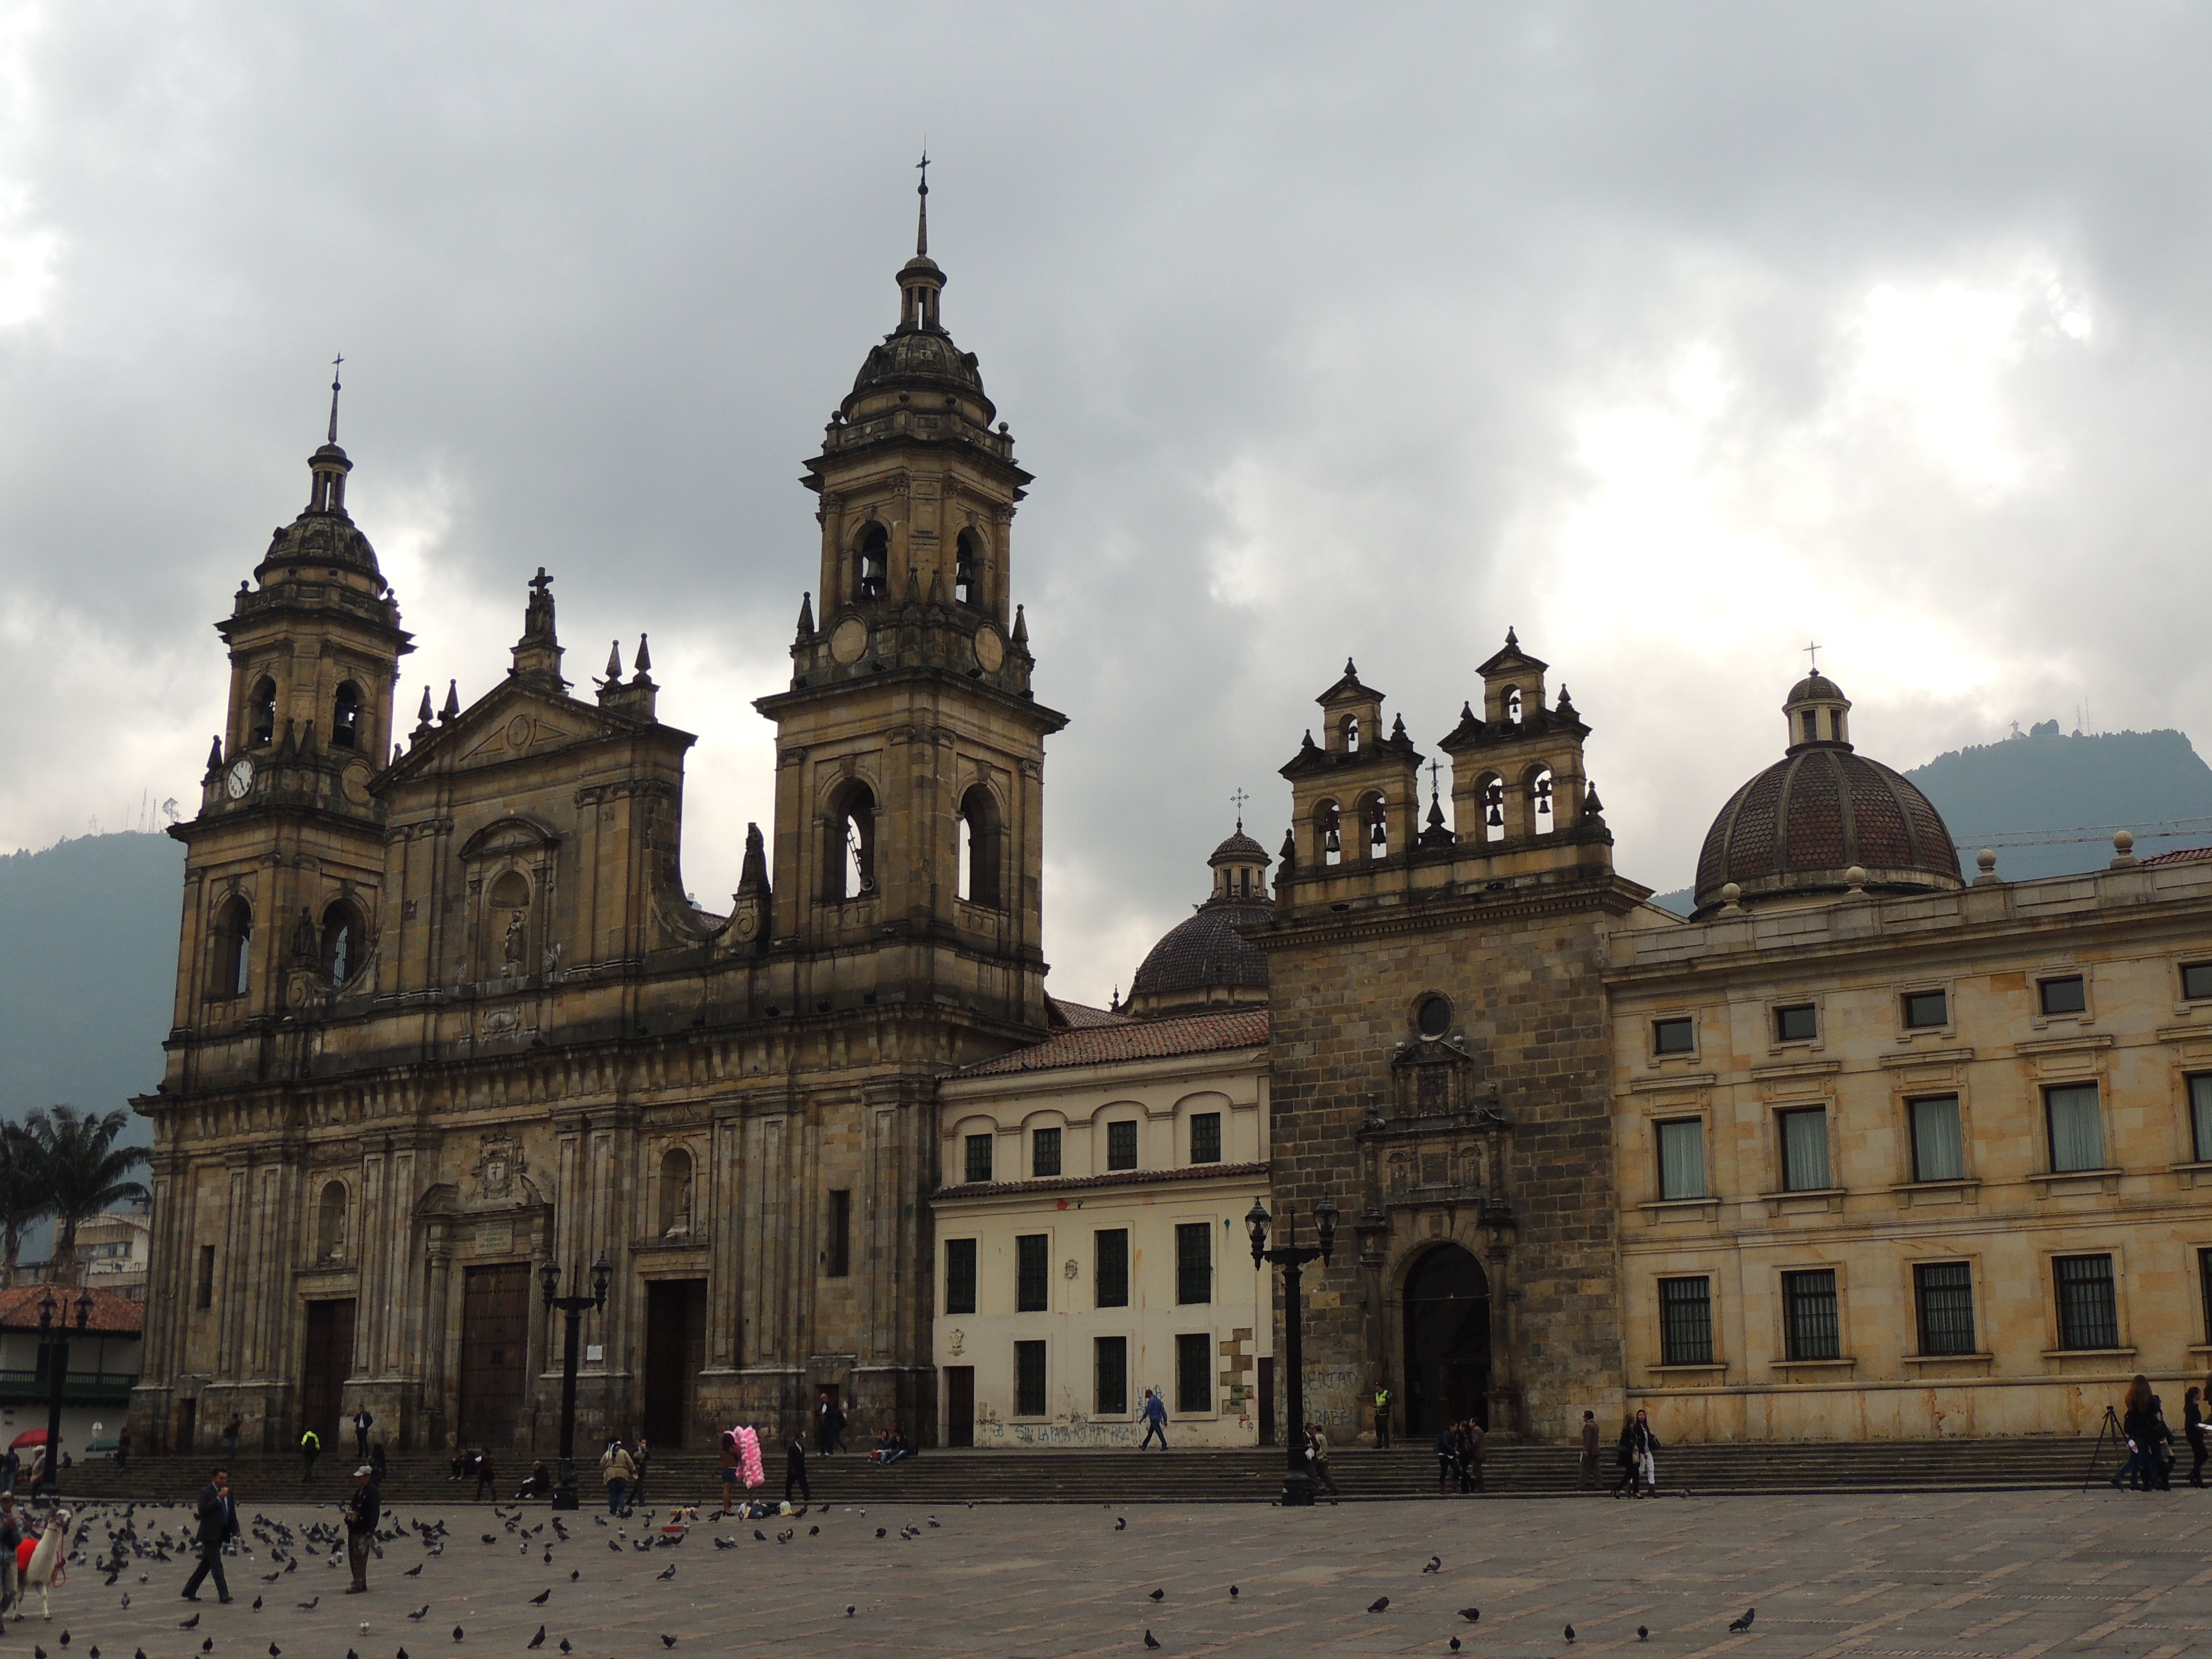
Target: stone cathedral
{"points": [[444, 1016]]}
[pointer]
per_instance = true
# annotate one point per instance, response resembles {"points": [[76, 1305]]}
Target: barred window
{"points": [[1805, 1151], [1682, 1158], [2200, 1117], [1194, 1261], [979, 1157], [1206, 1137], [1122, 1145], [960, 1275], [1044, 1152], [2088, 1315], [1943, 1293], [1195, 1372], [1109, 1375], [2077, 1127], [1939, 1148], [1685, 1321], [1110, 1268], [1926, 1008], [1028, 1379], [1808, 1314], [1032, 1276]]}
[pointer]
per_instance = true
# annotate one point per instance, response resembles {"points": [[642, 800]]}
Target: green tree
{"points": [[84, 1172], [23, 1194]]}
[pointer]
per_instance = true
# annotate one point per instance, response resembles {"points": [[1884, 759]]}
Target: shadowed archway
{"points": [[1446, 1309]]}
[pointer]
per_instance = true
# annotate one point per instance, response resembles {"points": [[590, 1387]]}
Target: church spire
{"points": [[921, 224], [335, 363]]}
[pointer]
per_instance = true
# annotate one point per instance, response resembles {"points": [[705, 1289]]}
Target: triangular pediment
{"points": [[513, 721]]}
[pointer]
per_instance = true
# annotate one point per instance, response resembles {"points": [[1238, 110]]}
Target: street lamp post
{"points": [[1291, 1257], [564, 1493], [57, 1352]]}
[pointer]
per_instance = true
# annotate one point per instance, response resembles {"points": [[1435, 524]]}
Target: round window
{"points": [[1434, 1016]]}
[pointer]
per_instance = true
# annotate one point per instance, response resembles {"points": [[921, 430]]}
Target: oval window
{"points": [[1434, 1016]]}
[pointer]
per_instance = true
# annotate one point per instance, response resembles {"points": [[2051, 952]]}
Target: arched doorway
{"points": [[1447, 1317]]}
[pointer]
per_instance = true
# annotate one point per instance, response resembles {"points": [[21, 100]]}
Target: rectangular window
{"points": [[2077, 1127], [979, 1156], [1926, 1008], [1206, 1137], [2087, 1316], [1032, 1271], [840, 1242], [1111, 1270], [1682, 1158], [2197, 981], [1028, 1379], [2200, 1118], [1939, 1147], [1674, 1037], [1195, 1372], [1805, 1151], [1943, 1295], [1122, 1145], [1109, 1376], [960, 1275], [1194, 1261], [1795, 1025], [1044, 1153], [204, 1292], [2067, 994], [1685, 1321], [1808, 1314]]}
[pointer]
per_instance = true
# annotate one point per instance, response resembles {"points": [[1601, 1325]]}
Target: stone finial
{"points": [[426, 714], [1986, 862], [1854, 882], [614, 660], [643, 661], [805, 617], [452, 711], [215, 757], [1731, 899], [2124, 850]]}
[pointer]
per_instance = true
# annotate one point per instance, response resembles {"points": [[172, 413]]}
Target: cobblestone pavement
{"points": [[1867, 1577]]}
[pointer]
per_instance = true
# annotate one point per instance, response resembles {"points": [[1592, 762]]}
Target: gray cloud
{"points": [[1670, 336]]}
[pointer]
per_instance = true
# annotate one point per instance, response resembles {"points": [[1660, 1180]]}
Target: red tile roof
{"points": [[1135, 1039], [1117, 1178], [113, 1313], [1080, 1015], [2184, 856]]}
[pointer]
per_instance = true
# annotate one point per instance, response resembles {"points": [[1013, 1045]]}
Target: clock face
{"points": [[238, 780]]}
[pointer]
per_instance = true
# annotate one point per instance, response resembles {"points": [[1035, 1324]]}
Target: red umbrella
{"points": [[28, 1437]]}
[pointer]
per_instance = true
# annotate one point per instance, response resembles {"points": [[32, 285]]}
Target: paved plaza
{"points": [[1967, 1574]]}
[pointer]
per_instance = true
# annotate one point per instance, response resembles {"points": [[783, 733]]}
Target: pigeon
{"points": [[574, 1573], [275, 1652], [1571, 1632], [1159, 1595], [271, 1577], [402, 1654], [538, 1640], [309, 1606], [1379, 1604], [421, 1613], [126, 1598], [256, 1604], [565, 1648], [457, 1632], [725, 1543], [1744, 1623], [1232, 1592], [814, 1532], [1436, 1564], [1149, 1642], [414, 1571], [1455, 1644], [668, 1641], [670, 1573], [488, 1539], [542, 1597], [1470, 1614], [879, 1532], [65, 1639], [1120, 1523], [1642, 1634], [615, 1544], [207, 1645], [191, 1623], [849, 1610]]}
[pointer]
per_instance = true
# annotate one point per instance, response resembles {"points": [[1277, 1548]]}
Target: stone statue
{"points": [[515, 932]]}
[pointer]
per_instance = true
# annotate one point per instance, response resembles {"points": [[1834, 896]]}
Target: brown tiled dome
{"points": [[1206, 953]]}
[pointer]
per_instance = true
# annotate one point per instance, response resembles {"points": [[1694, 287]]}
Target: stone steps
{"points": [[1120, 1476]]}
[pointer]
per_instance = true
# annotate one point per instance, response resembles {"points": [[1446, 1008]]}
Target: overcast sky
{"points": [[1672, 336]]}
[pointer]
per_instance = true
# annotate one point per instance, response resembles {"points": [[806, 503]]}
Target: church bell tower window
{"points": [[852, 850], [341, 951], [234, 950], [345, 718], [261, 725], [873, 559], [968, 571], [980, 852]]}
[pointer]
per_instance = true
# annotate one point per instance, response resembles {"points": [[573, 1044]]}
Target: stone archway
{"points": [[1446, 1316]]}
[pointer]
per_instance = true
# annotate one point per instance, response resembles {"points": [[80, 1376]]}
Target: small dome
{"points": [[920, 360], [323, 539], [1816, 687], [1239, 848], [1204, 959]]}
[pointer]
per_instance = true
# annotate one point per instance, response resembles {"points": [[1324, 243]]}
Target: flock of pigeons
{"points": [[123, 1547]]}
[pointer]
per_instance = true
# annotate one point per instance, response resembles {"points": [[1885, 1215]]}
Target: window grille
{"points": [[1044, 1153], [2088, 1315], [1195, 1372], [979, 1156], [1111, 1269], [1685, 1321], [1122, 1145], [1110, 1371], [1028, 1379], [1943, 1293], [960, 1275], [1194, 1261], [1808, 1314], [1206, 1137], [1032, 1273]]}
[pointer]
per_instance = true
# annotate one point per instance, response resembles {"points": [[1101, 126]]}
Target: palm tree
{"points": [[23, 1195], [84, 1172]]}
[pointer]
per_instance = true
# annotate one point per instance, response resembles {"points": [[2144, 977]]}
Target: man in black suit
{"points": [[362, 1511], [218, 1523]]}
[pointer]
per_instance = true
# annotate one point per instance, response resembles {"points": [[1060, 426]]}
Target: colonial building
{"points": [[444, 1014]]}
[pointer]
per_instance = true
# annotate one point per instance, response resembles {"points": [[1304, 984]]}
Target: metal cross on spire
{"points": [[1434, 766], [921, 229], [1813, 650], [1239, 799], [335, 362]]}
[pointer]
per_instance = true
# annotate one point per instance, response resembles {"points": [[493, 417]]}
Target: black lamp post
{"points": [[1291, 1257], [57, 1352], [564, 1493]]}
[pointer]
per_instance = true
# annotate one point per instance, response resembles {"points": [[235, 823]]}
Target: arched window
{"points": [[1493, 809], [234, 950], [981, 849], [1812, 726], [1352, 734], [1374, 826], [967, 570], [850, 857], [330, 1223], [1513, 705], [345, 718], [506, 925], [675, 1193], [1329, 823], [872, 555], [1542, 819], [261, 714], [340, 950]]}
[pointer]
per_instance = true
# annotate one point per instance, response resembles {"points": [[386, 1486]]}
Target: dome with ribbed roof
{"points": [[1824, 819], [1206, 962], [324, 536]]}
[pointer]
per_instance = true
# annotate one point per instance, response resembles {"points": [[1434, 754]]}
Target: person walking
{"points": [[822, 1436], [638, 1459], [1589, 1452], [230, 1437], [1637, 1445], [362, 1423], [1447, 1458], [123, 1447], [311, 1448], [362, 1510], [484, 1481], [1318, 1458], [731, 1456], [2135, 1428], [1472, 1443], [1381, 1418], [11, 1545], [1156, 1420], [2161, 1446], [218, 1518], [2192, 1425], [794, 1470], [615, 1469]]}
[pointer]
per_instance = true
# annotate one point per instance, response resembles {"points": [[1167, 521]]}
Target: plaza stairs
{"points": [[1119, 1476]]}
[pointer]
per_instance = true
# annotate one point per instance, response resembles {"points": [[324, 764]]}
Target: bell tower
{"points": [[910, 784]]}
